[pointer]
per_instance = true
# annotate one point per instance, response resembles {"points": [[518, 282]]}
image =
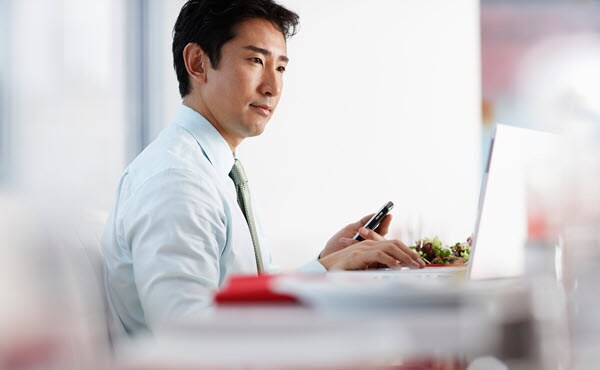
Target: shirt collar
{"points": [[210, 140]]}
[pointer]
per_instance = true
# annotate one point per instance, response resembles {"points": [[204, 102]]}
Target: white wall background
{"points": [[381, 102], [67, 113]]}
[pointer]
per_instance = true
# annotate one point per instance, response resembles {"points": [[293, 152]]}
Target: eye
{"points": [[257, 60], [281, 69]]}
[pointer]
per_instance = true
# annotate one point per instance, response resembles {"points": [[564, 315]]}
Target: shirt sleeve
{"points": [[176, 228], [312, 267]]}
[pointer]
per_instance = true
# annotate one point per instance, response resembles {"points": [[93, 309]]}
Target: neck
{"points": [[196, 104]]}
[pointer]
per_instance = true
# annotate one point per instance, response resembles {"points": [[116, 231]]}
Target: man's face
{"points": [[241, 95]]}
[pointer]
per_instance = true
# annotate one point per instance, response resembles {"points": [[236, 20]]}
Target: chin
{"points": [[256, 129]]}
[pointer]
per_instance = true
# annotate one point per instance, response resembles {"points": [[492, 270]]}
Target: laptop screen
{"points": [[501, 228]]}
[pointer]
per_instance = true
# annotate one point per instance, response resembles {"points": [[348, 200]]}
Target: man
{"points": [[182, 221]]}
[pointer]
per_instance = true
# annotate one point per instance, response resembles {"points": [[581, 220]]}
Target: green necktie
{"points": [[240, 180]]}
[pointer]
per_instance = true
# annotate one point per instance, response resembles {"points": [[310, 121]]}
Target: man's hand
{"points": [[372, 253], [344, 253], [343, 238]]}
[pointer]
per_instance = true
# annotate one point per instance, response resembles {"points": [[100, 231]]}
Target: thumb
{"points": [[369, 234]]}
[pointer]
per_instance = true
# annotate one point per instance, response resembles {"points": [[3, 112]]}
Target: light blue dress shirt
{"points": [[176, 231]]}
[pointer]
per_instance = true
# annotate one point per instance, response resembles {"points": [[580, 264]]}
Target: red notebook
{"points": [[251, 289]]}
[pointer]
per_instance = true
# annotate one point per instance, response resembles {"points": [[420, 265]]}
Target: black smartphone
{"points": [[374, 221]]}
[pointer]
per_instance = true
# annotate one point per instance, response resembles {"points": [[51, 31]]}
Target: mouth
{"points": [[262, 109]]}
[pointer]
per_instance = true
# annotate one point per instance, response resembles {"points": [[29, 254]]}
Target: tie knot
{"points": [[237, 173]]}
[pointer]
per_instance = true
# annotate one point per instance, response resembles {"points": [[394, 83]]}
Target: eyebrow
{"points": [[265, 52]]}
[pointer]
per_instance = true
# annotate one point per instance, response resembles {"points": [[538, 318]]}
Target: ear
{"points": [[196, 62]]}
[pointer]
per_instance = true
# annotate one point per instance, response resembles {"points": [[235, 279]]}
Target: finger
{"points": [[369, 234], [412, 253], [384, 227], [394, 250], [379, 256], [360, 223]]}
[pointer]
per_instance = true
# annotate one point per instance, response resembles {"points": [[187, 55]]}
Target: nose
{"points": [[272, 83]]}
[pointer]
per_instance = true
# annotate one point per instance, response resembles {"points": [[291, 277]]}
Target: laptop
{"points": [[501, 225]]}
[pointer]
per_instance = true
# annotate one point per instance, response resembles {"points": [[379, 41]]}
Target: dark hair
{"points": [[211, 23]]}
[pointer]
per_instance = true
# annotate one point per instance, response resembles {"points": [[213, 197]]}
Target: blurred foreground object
{"points": [[52, 315], [580, 230], [350, 320], [560, 91]]}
